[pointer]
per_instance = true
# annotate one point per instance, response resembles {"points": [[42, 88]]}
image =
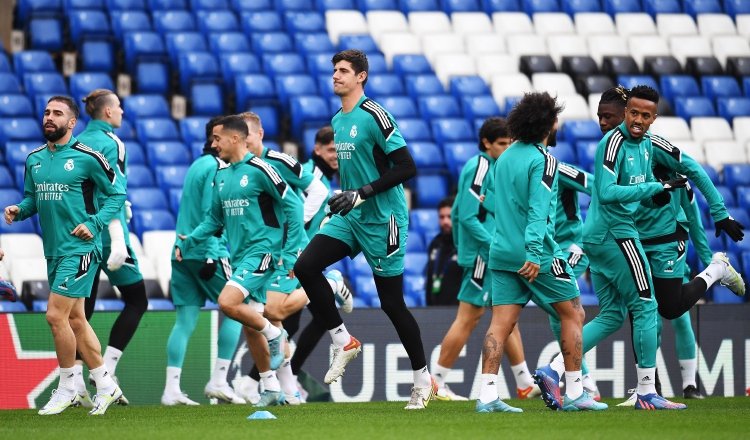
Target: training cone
{"points": [[261, 415]]}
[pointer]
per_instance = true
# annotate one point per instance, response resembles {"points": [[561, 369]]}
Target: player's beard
{"points": [[54, 136]]}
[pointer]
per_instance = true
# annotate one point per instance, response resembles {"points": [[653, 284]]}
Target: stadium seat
{"points": [[88, 24], [443, 43], [448, 66], [591, 84], [428, 157], [415, 129], [451, 130], [193, 129], [178, 43], [536, 6], [206, 99], [45, 34], [217, 21], [152, 77], [725, 46], [207, 5], [128, 21], [703, 65], [126, 132], [313, 42], [166, 5], [601, 46], [318, 64], [423, 84], [741, 126], [692, 106], [253, 89], [479, 107], [743, 196], [429, 22], [618, 7], [720, 153], [140, 176], [20, 129], [510, 85], [136, 156], [399, 106], [9, 84], [142, 46], [438, 106], [557, 23], [564, 152], [672, 128], [285, 63], [385, 84], [738, 66], [83, 83], [12, 307], [47, 83], [6, 178], [661, 65], [657, 8], [468, 85], [430, 189], [152, 220], [673, 86], [684, 47], [261, 21], [402, 43], [585, 152], [325, 5], [362, 42], [288, 86], [421, 219], [308, 111], [233, 64], [156, 129], [583, 130], [145, 106], [15, 105], [169, 21], [594, 23], [737, 175], [340, 22], [415, 263], [720, 87], [162, 153], [32, 61], [698, 8], [554, 83], [722, 295], [734, 8], [307, 21], [271, 42], [620, 65], [147, 198], [221, 42], [170, 176], [175, 195], [732, 107], [197, 66], [126, 5]]}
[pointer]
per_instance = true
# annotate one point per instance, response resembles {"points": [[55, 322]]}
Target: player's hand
{"points": [[208, 270], [661, 198], [345, 201], [128, 211], [117, 255], [290, 274], [529, 271], [732, 227], [11, 212], [177, 254], [671, 185], [82, 232]]}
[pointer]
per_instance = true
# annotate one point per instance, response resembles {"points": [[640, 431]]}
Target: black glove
{"points": [[345, 201], [732, 227], [661, 198], [208, 270], [671, 185]]}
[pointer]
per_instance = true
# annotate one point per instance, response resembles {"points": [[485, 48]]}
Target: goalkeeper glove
{"points": [[208, 270], [345, 201], [732, 227]]}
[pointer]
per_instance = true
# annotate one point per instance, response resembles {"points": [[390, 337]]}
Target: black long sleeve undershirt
{"points": [[402, 170]]}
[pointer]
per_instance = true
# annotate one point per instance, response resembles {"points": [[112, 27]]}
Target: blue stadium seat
{"points": [[746, 264], [695, 7], [221, 42], [727, 194], [653, 7], [97, 56], [673, 86], [743, 217], [585, 152], [720, 87], [358, 266], [217, 21], [712, 174], [166, 5], [564, 152], [156, 129], [288, 86], [261, 21], [145, 106], [535, 6], [722, 295], [170, 176], [414, 291], [576, 130], [252, 5], [49, 83], [83, 83], [197, 149], [29, 8], [456, 155], [468, 85], [208, 5], [193, 129], [175, 195], [140, 176], [71, 5], [377, 64], [197, 66], [15, 105], [6, 178], [9, 196], [421, 219], [439, 106], [613, 7], [283, 63], [269, 117], [178, 43], [415, 242], [308, 111], [451, 6], [206, 99], [152, 77], [325, 5], [152, 220], [253, 89], [46, 34], [233, 64], [12, 307], [126, 132], [147, 198], [430, 189], [363, 42], [427, 156], [451, 130], [411, 64], [142, 46], [126, 5], [4, 63], [743, 197], [12, 129], [491, 6], [365, 290], [88, 24], [729, 108], [479, 107], [129, 21], [572, 7], [162, 153], [735, 7], [692, 106], [399, 106], [9, 83], [313, 42], [423, 84], [419, 5], [32, 61], [325, 87], [415, 129], [415, 263], [270, 42], [40, 104], [631, 81], [136, 156], [319, 63], [307, 21], [377, 5], [16, 152], [384, 84]]}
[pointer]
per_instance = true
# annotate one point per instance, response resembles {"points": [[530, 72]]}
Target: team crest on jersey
{"points": [[69, 165], [353, 132], [243, 181]]}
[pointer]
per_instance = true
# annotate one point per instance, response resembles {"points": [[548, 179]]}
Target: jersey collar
{"points": [[98, 124], [72, 141], [624, 129], [247, 157]]}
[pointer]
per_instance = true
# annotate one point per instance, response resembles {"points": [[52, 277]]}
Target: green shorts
{"points": [[476, 284], [667, 260], [126, 275], [384, 245], [72, 276], [189, 289], [557, 285], [280, 282], [252, 276]]}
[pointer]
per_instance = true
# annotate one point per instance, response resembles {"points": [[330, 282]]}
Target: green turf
{"points": [[714, 418]]}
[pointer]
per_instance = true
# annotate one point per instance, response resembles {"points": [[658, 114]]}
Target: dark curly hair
{"points": [[358, 60], [616, 95], [493, 128], [644, 92], [533, 117]]}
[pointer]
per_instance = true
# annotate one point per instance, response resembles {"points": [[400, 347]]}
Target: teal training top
{"points": [[568, 222], [313, 226], [623, 178], [100, 136], [60, 186], [473, 224], [199, 184], [363, 139], [525, 198]]}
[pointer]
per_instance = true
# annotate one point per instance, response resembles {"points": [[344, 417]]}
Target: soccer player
{"points": [[369, 216], [118, 259], [525, 261], [201, 275], [444, 275], [474, 226], [252, 203], [59, 180]]}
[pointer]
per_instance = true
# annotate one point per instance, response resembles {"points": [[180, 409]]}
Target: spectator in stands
{"points": [[443, 273]]}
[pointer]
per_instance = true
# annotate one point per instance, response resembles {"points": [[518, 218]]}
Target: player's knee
{"points": [[669, 312], [228, 306], [393, 304], [134, 297]]}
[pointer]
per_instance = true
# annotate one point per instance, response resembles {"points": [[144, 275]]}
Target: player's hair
{"points": [[357, 58], [253, 118], [96, 101], [67, 100], [234, 123], [446, 202], [493, 128], [644, 92], [616, 95], [324, 136], [532, 119], [209, 133]]}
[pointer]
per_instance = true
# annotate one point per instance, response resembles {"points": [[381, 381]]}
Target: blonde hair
{"points": [[253, 118], [96, 101]]}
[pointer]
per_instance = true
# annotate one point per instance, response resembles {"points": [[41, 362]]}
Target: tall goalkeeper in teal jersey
{"points": [[59, 182], [369, 216], [252, 203]]}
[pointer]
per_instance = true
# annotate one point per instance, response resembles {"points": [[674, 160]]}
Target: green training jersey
{"points": [[100, 136], [60, 187], [363, 138], [313, 226], [252, 202], [623, 178], [473, 224], [199, 183], [525, 198], [568, 222]]}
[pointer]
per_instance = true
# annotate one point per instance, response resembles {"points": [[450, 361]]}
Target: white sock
{"points": [[589, 383], [646, 380], [270, 381], [173, 380], [340, 335], [103, 380], [67, 380], [441, 373], [254, 384], [523, 375], [712, 273], [558, 364], [111, 358], [270, 331], [79, 383], [687, 370], [573, 384], [422, 378], [488, 390], [286, 378], [219, 376]]}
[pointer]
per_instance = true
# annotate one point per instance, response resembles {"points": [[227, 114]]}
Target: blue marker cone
{"points": [[261, 415]]}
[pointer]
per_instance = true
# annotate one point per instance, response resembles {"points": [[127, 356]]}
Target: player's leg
{"points": [[686, 354], [525, 386], [306, 342]]}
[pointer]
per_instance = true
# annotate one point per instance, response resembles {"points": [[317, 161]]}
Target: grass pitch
{"points": [[713, 418]]}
